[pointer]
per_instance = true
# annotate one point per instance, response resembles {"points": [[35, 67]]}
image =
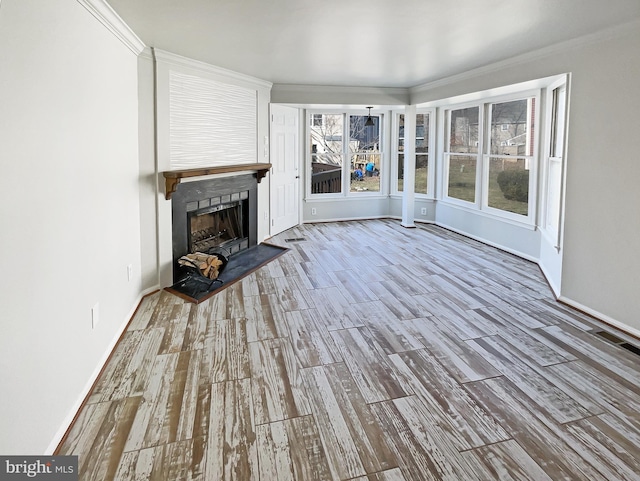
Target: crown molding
{"points": [[179, 60], [147, 53], [568, 45], [101, 10]]}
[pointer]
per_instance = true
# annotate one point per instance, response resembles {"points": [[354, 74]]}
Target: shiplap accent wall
{"points": [[208, 116], [210, 123]]}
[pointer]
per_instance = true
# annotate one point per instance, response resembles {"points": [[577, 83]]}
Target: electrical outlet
{"points": [[129, 272], [313, 211], [95, 315], [423, 211]]}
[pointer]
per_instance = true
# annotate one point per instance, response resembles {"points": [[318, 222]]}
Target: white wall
{"points": [[69, 211], [148, 173]]}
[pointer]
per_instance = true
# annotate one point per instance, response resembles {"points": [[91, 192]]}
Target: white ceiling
{"points": [[377, 43]]}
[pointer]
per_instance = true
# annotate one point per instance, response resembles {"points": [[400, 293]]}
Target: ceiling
{"points": [[368, 43]]}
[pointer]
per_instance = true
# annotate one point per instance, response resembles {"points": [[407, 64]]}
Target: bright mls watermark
{"points": [[52, 468]]}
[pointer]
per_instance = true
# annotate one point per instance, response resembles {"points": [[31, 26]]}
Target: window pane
{"points": [[326, 133], [422, 148], [462, 177], [509, 184], [364, 146], [400, 153], [512, 127], [326, 177], [365, 173], [362, 137], [559, 100], [327, 153], [422, 133], [464, 130], [422, 173]]}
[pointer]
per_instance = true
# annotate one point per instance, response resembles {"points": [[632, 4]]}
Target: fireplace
{"points": [[218, 227], [214, 215]]}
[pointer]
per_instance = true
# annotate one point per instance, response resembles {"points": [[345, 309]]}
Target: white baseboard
{"points": [[489, 243], [94, 376], [344, 219], [601, 317]]}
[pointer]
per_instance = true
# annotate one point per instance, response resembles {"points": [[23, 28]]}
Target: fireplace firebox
{"points": [[218, 227], [216, 215]]}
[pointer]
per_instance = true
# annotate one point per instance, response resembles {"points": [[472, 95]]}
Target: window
{"points": [[461, 156], [327, 153], [555, 163], [489, 157], [510, 155], [422, 153], [364, 151], [316, 120], [345, 153]]}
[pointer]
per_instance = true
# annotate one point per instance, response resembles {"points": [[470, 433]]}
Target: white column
{"points": [[408, 194]]}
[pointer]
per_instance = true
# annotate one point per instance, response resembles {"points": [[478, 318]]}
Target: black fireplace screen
{"points": [[215, 227]]}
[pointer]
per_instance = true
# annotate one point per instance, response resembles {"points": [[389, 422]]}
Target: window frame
{"points": [[532, 159], [483, 156], [554, 234], [446, 155], [346, 192], [395, 153]]}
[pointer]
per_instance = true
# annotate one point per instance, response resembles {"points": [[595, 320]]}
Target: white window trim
{"points": [[346, 193], [446, 152], [554, 236], [481, 203], [431, 178]]}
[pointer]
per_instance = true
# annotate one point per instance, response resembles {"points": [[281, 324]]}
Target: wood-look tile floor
{"points": [[367, 352]]}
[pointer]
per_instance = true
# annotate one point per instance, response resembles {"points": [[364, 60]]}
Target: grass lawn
{"points": [[367, 184], [420, 181], [462, 180]]}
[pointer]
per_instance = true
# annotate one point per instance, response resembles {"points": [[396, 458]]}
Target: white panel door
{"points": [[285, 176]]}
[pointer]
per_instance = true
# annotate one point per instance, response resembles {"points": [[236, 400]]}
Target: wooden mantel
{"points": [[173, 177]]}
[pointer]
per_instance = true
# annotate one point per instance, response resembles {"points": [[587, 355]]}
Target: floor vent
{"points": [[631, 347], [295, 239], [620, 342], [609, 337]]}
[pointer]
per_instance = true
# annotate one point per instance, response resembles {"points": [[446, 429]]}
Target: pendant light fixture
{"points": [[369, 121]]}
